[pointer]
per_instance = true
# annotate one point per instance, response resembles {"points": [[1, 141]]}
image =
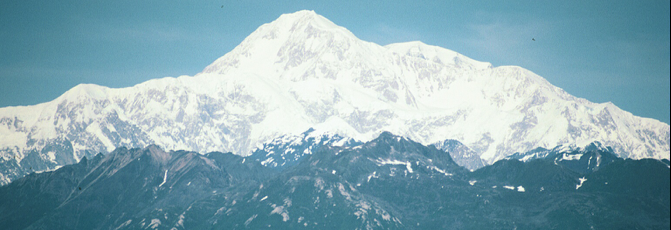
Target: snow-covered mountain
{"points": [[288, 150], [302, 71], [461, 154], [579, 159]]}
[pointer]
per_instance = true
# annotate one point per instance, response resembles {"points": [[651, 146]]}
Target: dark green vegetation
{"points": [[387, 183]]}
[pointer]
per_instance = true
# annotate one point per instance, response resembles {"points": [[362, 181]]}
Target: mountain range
{"points": [[390, 182], [304, 73]]}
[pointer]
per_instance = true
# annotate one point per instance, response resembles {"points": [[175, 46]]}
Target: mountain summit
{"points": [[302, 71]]}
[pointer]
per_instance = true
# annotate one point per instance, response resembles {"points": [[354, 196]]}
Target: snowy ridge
{"points": [[461, 154], [408, 165], [302, 71], [585, 159], [562, 152], [287, 150]]}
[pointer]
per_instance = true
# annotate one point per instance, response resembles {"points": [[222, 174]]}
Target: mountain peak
{"points": [[80, 91], [300, 13], [287, 42], [305, 17], [298, 26]]}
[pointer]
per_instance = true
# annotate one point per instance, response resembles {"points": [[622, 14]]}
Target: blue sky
{"points": [[603, 51]]}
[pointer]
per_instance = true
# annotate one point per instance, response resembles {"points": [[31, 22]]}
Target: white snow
{"points": [[267, 161], [520, 188], [281, 210], [250, 219], [180, 221], [154, 223], [439, 170], [582, 180], [165, 178], [373, 175], [49, 170], [408, 165], [94, 128], [51, 156], [124, 224], [571, 157]]}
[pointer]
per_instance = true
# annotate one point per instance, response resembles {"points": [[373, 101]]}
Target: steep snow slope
{"points": [[303, 71]]}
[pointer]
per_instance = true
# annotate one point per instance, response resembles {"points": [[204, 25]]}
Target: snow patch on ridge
{"points": [[571, 157], [407, 164], [582, 180], [440, 170], [165, 178]]}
